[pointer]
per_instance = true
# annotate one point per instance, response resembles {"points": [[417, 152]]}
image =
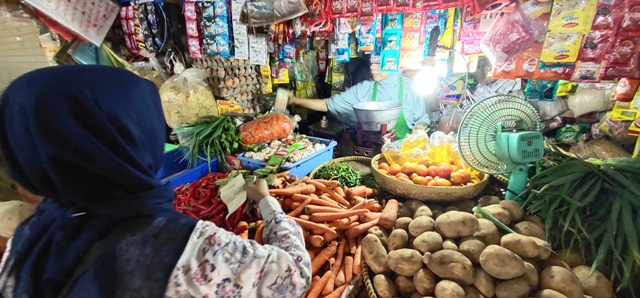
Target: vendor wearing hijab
{"points": [[90, 139], [384, 87]]}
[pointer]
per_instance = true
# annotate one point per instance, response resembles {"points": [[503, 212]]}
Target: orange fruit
{"points": [[402, 175], [432, 171], [383, 166], [416, 179], [444, 182], [394, 169], [408, 168], [445, 170], [413, 176], [404, 179], [432, 183], [422, 170], [383, 172], [424, 161]]}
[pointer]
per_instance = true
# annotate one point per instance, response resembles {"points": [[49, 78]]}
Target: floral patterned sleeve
{"points": [[217, 263]]}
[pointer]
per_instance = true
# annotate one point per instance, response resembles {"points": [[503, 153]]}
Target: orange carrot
{"points": [[299, 209], [357, 258], [337, 293], [340, 278], [328, 216], [323, 257], [328, 289], [353, 246], [282, 174], [318, 231], [311, 253], [376, 207], [339, 191], [360, 191], [389, 215], [340, 256], [303, 217], [363, 204], [328, 183], [310, 209], [299, 181], [259, 232], [314, 282], [305, 189], [315, 291], [316, 240], [348, 269], [315, 201], [328, 237], [305, 224], [288, 202], [331, 193], [245, 233], [357, 200], [367, 217], [346, 220], [362, 228], [294, 205], [343, 227]]}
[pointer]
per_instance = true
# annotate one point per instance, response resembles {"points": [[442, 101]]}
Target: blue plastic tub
{"points": [[301, 168], [174, 169]]}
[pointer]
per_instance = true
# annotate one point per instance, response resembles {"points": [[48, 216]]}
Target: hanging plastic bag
{"points": [[509, 35], [266, 12], [450, 120], [187, 99], [273, 126], [589, 98]]}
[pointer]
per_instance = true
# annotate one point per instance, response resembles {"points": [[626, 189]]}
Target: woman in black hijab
{"points": [[90, 140]]}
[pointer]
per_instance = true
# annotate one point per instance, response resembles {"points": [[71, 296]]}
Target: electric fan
{"points": [[501, 135]]}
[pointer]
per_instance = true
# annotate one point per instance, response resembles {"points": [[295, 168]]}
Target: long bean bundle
{"points": [[217, 138], [592, 206]]}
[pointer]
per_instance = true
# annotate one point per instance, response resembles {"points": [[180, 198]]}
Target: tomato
{"points": [[425, 181], [392, 177], [408, 168], [428, 178], [424, 162], [404, 179], [422, 170], [416, 179], [460, 177], [383, 166], [413, 176], [394, 169], [383, 172], [432, 171], [445, 170], [443, 182], [432, 183], [403, 175]]}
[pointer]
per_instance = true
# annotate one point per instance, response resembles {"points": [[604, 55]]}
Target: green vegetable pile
{"points": [[340, 171], [593, 207], [218, 138]]}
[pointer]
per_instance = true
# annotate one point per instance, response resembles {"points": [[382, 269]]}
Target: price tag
{"points": [[233, 194]]}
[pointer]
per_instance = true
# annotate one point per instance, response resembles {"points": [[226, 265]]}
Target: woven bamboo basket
{"points": [[426, 193], [359, 163], [371, 293]]}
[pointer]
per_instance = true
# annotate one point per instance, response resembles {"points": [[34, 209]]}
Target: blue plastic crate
{"points": [[301, 168], [174, 169]]}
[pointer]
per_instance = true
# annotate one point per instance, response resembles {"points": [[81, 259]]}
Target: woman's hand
{"points": [[293, 100], [419, 126], [257, 191]]}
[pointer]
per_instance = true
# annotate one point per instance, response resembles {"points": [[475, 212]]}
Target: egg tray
{"points": [[219, 92], [220, 62], [234, 81]]}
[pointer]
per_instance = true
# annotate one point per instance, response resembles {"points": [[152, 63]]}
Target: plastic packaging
{"points": [[587, 100], [262, 13], [450, 120], [440, 145], [617, 130], [187, 99], [273, 126], [510, 35], [550, 109], [625, 90], [601, 148]]}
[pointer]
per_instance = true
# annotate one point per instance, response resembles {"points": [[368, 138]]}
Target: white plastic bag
{"points": [[589, 98], [187, 99]]}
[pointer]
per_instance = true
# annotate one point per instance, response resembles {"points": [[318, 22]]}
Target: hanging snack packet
{"points": [[352, 7], [625, 90], [609, 14], [391, 40], [622, 52], [586, 72], [366, 36], [571, 15], [367, 8], [384, 6], [390, 61], [412, 21], [552, 73], [561, 47], [596, 45], [541, 90], [403, 5], [631, 22], [392, 21], [338, 8]]}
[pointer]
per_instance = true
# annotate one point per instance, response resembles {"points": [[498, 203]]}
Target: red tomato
{"points": [[422, 170], [445, 170], [432, 171]]}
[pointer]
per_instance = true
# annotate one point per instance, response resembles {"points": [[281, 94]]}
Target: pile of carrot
{"points": [[334, 220]]}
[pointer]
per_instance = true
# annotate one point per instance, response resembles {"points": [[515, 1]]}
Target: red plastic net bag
{"points": [[271, 127]]}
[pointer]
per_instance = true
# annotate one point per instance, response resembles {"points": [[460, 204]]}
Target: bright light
{"points": [[426, 80]]}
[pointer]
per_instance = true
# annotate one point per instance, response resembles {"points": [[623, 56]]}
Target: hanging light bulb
{"points": [[427, 79]]}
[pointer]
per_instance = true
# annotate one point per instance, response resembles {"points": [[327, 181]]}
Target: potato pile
{"points": [[436, 252]]}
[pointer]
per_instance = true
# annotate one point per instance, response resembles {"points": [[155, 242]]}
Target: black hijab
{"points": [[90, 139]]}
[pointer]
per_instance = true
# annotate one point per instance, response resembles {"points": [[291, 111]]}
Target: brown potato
{"points": [[572, 258], [405, 285], [384, 286], [450, 245], [381, 234], [375, 254], [483, 282], [428, 242], [530, 274], [547, 293], [515, 210], [413, 205], [535, 219], [471, 292], [456, 224], [449, 289], [471, 247], [561, 280], [485, 201], [403, 223], [404, 261], [524, 246], [449, 264], [555, 260], [488, 232], [544, 249], [422, 211], [436, 207], [404, 211], [451, 208], [398, 239], [501, 263], [499, 212], [420, 225], [425, 281], [530, 229], [596, 284], [415, 295], [513, 288], [465, 206]]}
